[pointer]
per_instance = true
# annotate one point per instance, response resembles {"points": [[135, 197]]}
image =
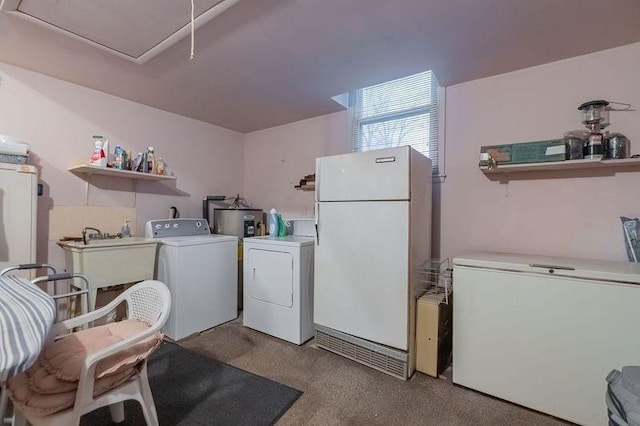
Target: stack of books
{"points": [[308, 183]]}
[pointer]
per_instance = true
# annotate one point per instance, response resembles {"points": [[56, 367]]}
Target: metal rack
{"points": [[435, 279]]}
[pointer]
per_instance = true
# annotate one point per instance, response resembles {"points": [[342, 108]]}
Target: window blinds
{"points": [[397, 113]]}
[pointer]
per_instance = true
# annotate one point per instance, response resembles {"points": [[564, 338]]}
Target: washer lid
{"points": [[289, 240], [195, 240]]}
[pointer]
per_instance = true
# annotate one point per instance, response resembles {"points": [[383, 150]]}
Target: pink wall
{"points": [[548, 214], [277, 158], [57, 119], [545, 214]]}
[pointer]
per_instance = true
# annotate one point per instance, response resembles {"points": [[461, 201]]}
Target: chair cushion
{"points": [[41, 381], [50, 385], [64, 358], [41, 405]]}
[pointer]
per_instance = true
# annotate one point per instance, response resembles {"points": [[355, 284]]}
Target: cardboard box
{"points": [[526, 152]]}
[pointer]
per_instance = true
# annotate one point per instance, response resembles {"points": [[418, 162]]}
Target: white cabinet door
{"points": [[361, 270], [270, 276]]}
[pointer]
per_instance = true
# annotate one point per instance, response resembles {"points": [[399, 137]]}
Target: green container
{"points": [[526, 152]]}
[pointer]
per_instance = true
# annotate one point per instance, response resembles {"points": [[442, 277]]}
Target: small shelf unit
{"points": [[86, 169], [628, 164]]}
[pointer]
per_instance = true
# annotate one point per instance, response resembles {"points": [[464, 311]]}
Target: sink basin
{"points": [[111, 261], [108, 242]]}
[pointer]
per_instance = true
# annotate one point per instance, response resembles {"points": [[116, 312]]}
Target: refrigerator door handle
{"points": [[317, 223], [385, 160], [552, 267], [317, 191]]}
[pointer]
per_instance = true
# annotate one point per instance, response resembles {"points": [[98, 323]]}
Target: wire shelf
{"points": [[435, 279]]}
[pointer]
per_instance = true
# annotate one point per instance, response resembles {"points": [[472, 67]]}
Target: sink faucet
{"points": [[84, 233]]}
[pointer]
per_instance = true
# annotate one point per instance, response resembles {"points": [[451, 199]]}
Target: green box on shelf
{"points": [[525, 152]]}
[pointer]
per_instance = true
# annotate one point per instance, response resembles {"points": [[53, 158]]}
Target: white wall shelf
{"points": [[88, 170], [628, 164]]}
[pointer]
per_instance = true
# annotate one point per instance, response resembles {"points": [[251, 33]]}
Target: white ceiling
{"points": [[136, 30], [263, 63]]}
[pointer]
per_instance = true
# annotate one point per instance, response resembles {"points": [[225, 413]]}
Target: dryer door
{"points": [[270, 277]]}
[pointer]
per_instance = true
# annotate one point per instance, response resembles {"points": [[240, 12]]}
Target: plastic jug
{"points": [[282, 227], [274, 223], [126, 230]]}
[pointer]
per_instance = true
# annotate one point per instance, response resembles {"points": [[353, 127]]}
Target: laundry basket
{"points": [[623, 396]]}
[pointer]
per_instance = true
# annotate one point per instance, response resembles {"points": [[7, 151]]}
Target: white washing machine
{"points": [[278, 286], [201, 272]]}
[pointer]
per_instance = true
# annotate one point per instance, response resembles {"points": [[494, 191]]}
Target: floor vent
{"points": [[368, 355]]}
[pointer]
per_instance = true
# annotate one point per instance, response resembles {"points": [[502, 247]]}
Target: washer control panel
{"points": [[163, 228]]}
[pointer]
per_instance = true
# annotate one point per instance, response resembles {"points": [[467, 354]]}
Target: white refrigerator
{"points": [[373, 225], [18, 201]]}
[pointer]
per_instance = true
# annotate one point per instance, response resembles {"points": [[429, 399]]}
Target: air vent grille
{"points": [[369, 357]]}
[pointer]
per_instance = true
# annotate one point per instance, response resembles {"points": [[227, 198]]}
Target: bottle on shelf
{"points": [[144, 165], [98, 158], [151, 159], [126, 230], [107, 156], [161, 167], [120, 158]]}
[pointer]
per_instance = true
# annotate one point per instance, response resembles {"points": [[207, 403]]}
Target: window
{"points": [[397, 113]]}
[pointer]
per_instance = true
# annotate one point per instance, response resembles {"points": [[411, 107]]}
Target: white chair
{"points": [[148, 301], [81, 290]]}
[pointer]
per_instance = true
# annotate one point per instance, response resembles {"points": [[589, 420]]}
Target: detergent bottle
{"points": [[273, 223], [282, 227], [126, 230]]}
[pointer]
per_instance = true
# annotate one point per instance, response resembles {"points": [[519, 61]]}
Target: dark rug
{"points": [[192, 389]]}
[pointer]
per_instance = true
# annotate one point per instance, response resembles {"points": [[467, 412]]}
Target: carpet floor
{"points": [[192, 389], [338, 391]]}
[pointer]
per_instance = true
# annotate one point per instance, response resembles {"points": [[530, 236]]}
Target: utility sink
{"points": [[111, 261]]}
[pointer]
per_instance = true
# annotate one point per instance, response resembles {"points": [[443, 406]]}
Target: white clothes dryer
{"points": [[278, 286], [201, 272]]}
